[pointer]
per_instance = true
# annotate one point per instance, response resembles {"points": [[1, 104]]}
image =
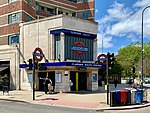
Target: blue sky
{"points": [[119, 23]]}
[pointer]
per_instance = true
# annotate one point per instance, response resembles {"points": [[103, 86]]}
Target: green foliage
{"points": [[130, 56]]}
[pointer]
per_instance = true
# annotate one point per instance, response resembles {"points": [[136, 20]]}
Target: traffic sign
{"points": [[38, 54]]}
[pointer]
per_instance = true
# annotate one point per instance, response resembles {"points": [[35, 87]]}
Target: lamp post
{"points": [[142, 46]]}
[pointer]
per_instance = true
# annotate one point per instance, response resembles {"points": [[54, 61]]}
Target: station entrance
{"points": [[42, 76], [79, 80], [4, 74]]}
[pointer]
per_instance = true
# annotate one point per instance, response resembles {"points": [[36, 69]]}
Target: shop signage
{"points": [[79, 48], [38, 54]]}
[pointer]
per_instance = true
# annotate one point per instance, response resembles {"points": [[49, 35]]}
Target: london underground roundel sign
{"points": [[79, 48], [38, 54], [102, 59]]}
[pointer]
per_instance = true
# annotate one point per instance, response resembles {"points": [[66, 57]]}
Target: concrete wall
{"points": [[10, 53]]}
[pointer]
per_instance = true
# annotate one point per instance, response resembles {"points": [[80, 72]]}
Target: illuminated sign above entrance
{"points": [[79, 48]]}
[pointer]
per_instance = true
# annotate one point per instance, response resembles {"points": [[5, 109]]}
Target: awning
{"points": [[3, 68]]}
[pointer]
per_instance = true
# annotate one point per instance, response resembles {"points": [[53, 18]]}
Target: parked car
{"points": [[146, 80], [129, 81]]}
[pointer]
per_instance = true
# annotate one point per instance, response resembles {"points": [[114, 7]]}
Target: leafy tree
{"points": [[130, 56]]}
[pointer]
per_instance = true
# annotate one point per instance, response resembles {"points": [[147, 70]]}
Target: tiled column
{"points": [[62, 36], [95, 50]]}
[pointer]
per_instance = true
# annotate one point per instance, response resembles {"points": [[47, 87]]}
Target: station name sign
{"points": [[86, 64], [76, 33]]}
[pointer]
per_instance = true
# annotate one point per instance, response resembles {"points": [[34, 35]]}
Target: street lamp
{"points": [[142, 46]]}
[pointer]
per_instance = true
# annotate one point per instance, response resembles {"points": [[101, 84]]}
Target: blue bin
{"points": [[118, 97], [139, 96]]}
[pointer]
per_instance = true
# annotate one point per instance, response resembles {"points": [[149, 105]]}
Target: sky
{"points": [[120, 23]]}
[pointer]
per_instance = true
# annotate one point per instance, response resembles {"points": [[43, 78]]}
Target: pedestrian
{"points": [[50, 87], [135, 83], [70, 84], [46, 82], [115, 82]]}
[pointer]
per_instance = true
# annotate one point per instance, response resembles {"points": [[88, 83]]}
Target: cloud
{"points": [[141, 3], [121, 21], [106, 41]]}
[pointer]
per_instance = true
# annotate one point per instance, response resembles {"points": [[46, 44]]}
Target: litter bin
{"points": [[144, 95], [125, 97], [139, 96], [133, 96], [115, 98], [112, 98]]}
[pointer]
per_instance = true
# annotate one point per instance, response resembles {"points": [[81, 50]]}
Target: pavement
{"points": [[83, 99]]}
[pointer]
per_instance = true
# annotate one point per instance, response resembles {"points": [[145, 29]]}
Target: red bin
{"points": [[124, 97]]}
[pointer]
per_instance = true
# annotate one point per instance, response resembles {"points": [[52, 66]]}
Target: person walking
{"points": [[46, 82], [50, 87]]}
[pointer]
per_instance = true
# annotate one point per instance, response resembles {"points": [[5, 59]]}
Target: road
{"points": [[140, 110], [18, 107]]}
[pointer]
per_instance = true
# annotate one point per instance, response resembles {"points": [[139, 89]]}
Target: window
{"points": [[84, 0], [10, 1], [29, 2], [13, 18], [29, 18], [74, 14], [50, 11], [60, 12], [84, 14], [13, 39], [39, 8], [75, 1]]}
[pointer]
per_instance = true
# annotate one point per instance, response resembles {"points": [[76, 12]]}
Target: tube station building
{"points": [[69, 46]]}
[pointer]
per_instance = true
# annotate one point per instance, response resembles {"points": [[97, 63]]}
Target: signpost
{"points": [[38, 54], [105, 61], [37, 57]]}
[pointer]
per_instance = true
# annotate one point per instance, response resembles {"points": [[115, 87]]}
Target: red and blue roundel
{"points": [[79, 48]]}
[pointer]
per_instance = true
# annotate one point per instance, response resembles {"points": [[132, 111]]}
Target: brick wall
{"points": [[85, 5], [10, 8], [3, 20], [4, 40], [12, 28]]}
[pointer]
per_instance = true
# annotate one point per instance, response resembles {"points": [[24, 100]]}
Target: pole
{"points": [[142, 50], [107, 81], [33, 77], [102, 42]]}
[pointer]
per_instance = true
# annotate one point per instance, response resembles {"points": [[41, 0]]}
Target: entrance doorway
{"points": [[42, 76], [82, 81], [4, 74]]}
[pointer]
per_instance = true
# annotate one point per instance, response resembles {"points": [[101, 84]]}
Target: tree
{"points": [[130, 56]]}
